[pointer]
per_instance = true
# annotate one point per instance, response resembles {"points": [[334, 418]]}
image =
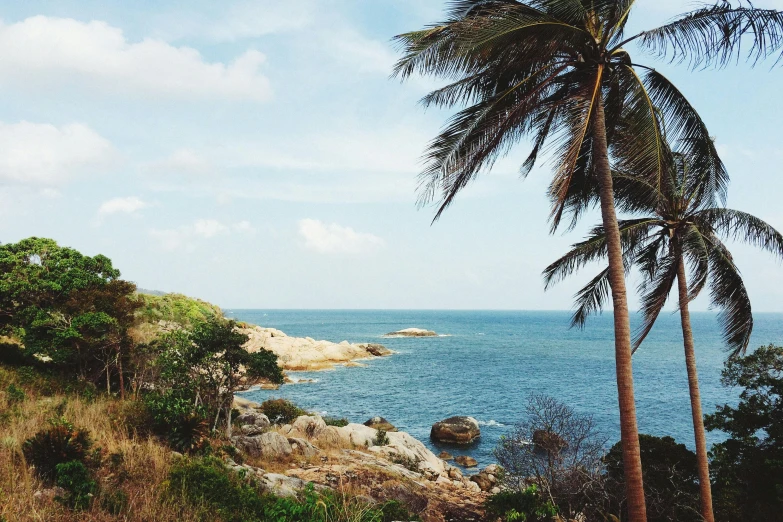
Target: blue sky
{"points": [[256, 154]]}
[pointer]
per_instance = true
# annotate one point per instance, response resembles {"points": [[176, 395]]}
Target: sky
{"points": [[256, 154]]}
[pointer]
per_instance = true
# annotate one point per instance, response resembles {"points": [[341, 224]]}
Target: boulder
{"points": [[483, 482], [254, 418], [303, 447], [281, 485], [270, 445], [412, 332], [456, 430], [487, 478], [251, 430], [378, 350], [549, 441], [465, 461], [379, 423], [445, 455], [296, 354]]}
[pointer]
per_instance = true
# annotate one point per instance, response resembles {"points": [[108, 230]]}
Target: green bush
{"points": [[522, 506], [14, 394], [381, 439], [56, 445], [263, 365], [207, 482], [175, 419], [334, 421], [74, 477], [281, 411]]}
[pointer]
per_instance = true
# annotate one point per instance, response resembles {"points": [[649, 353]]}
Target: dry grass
{"points": [[134, 465]]}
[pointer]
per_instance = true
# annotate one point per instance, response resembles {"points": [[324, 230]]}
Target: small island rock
{"points": [[456, 430], [412, 332], [445, 455], [468, 462], [379, 423]]}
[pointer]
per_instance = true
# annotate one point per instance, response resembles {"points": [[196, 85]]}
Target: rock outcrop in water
{"points": [[379, 423], [307, 354], [456, 430], [412, 332]]}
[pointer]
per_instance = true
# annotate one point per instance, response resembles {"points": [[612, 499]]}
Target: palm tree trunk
{"points": [[702, 462], [629, 433]]}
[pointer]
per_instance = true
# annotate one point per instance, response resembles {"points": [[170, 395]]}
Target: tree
{"points": [[670, 480], [748, 466], [205, 366], [67, 308], [557, 71], [683, 230], [560, 452]]}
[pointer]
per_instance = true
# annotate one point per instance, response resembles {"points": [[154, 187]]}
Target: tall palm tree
{"points": [[682, 235], [557, 71]]}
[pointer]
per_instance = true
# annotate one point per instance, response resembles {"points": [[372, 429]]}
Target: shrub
{"points": [[334, 421], [75, 478], [131, 417], [281, 411], [174, 418], [525, 505], [381, 439], [207, 482], [263, 365], [59, 444], [670, 479], [14, 394]]}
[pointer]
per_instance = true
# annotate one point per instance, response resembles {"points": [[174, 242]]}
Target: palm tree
{"points": [[684, 229], [557, 71]]}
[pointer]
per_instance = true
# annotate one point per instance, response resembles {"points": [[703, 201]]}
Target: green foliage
{"points": [[70, 311], [337, 422], [176, 308], [228, 495], [176, 419], [523, 506], [14, 394], [670, 479], [60, 443], [381, 439], [263, 365], [281, 411], [747, 468], [75, 478]]}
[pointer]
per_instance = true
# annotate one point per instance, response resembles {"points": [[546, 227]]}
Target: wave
{"points": [[300, 380], [493, 423]]}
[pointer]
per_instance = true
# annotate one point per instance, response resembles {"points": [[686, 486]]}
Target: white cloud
{"points": [[182, 161], [43, 154], [62, 50], [259, 18], [127, 205], [333, 238], [186, 236]]}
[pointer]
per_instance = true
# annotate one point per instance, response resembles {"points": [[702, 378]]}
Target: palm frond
{"points": [[741, 226], [727, 292], [640, 147], [633, 233], [685, 128], [655, 293], [715, 35], [591, 298], [575, 150], [696, 252]]}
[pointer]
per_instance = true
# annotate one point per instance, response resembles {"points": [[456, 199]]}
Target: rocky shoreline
{"points": [[380, 465], [297, 354]]}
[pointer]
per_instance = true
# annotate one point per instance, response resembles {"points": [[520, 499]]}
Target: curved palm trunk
{"points": [[629, 434], [702, 462]]}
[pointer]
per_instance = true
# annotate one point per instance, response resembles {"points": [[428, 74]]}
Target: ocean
{"points": [[486, 364]]}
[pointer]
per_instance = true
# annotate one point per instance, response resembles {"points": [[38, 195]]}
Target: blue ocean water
{"points": [[489, 362]]}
